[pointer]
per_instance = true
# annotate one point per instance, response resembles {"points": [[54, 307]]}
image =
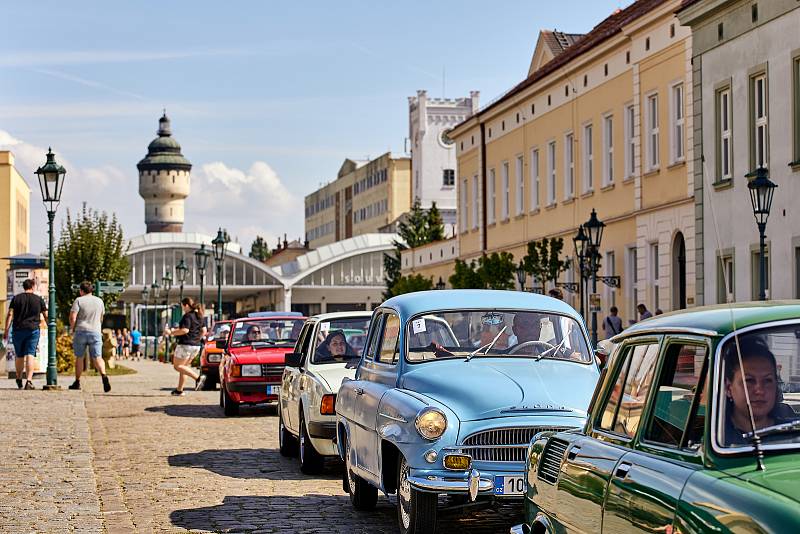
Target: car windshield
{"points": [[770, 358], [278, 332], [218, 328], [495, 333], [340, 340]]}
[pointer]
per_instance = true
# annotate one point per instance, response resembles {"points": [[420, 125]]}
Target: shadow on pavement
{"points": [[204, 411], [251, 463]]}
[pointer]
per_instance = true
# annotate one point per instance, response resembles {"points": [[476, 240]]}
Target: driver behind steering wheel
{"points": [[526, 327]]}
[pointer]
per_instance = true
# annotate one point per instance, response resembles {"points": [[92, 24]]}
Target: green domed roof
{"points": [[164, 152]]}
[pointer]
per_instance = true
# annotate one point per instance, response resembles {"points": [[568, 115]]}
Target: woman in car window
{"points": [[253, 333], [334, 347], [761, 376]]}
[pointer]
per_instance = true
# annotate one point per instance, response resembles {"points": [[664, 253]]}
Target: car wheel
{"points": [[416, 510], [287, 444], [221, 398], [311, 462], [363, 495], [229, 406]]}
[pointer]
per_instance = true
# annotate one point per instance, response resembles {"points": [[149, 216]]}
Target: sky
{"points": [[266, 98]]}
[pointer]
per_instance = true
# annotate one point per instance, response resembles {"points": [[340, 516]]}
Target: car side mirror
{"points": [[293, 359], [602, 356], [222, 344]]}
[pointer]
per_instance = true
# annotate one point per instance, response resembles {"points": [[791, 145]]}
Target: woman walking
{"points": [[189, 336], [126, 343]]}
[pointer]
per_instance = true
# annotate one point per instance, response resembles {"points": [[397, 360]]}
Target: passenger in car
{"points": [[334, 347], [253, 333]]}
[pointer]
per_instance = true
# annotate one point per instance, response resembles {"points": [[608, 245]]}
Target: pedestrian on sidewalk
{"points": [[612, 324], [26, 315], [644, 313], [126, 344], [85, 323], [136, 342], [189, 336]]}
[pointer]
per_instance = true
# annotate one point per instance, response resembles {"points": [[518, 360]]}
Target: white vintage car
{"points": [[328, 350]]}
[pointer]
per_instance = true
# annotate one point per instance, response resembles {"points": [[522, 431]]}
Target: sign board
{"points": [[594, 303], [105, 286], [15, 278]]}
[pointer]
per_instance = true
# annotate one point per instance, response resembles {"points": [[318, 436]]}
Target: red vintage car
{"points": [[211, 356], [253, 359]]}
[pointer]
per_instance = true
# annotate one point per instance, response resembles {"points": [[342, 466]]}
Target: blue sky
{"points": [[266, 98]]}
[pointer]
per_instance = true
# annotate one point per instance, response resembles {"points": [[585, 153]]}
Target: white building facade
{"points": [[433, 153], [746, 68]]}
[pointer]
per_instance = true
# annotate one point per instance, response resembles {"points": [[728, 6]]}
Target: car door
{"points": [[591, 461], [646, 485], [292, 377]]}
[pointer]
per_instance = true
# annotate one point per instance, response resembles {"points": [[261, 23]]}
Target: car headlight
{"points": [[251, 370], [431, 423], [214, 358]]}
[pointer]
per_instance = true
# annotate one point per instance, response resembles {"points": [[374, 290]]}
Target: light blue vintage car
{"points": [[451, 388]]}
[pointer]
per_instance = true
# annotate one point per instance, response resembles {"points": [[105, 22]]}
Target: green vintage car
{"points": [[669, 445]]}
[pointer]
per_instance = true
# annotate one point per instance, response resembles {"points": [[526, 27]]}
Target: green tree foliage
{"points": [[542, 260], [495, 271], [434, 225], [466, 276], [259, 249], [410, 284], [91, 247], [391, 269]]}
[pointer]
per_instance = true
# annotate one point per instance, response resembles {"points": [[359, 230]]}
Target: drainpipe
{"points": [[483, 188]]}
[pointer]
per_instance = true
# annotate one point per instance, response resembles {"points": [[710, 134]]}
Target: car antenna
{"points": [[756, 439]]}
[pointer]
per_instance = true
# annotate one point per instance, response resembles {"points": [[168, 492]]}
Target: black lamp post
{"points": [[594, 232], [201, 262], [166, 283], [440, 284], [761, 191], [155, 291], [579, 242], [145, 296], [180, 272], [521, 276], [51, 182], [219, 243]]}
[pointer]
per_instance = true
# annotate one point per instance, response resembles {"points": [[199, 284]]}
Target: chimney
{"points": [[475, 97]]}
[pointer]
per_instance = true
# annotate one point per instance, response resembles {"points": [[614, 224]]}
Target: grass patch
{"points": [[116, 371]]}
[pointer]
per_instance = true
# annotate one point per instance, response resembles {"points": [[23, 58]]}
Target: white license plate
{"points": [[273, 390], [514, 485]]}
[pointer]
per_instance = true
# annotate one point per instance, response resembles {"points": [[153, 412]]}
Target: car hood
{"points": [[781, 474], [250, 354], [332, 374], [504, 387]]}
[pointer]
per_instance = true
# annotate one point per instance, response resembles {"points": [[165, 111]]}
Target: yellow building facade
{"points": [[603, 124], [14, 216], [366, 197]]}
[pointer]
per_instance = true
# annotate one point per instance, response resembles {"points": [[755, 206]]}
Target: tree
{"points": [[466, 276], [91, 247], [259, 249], [391, 269], [542, 260], [497, 270], [411, 283], [434, 225]]}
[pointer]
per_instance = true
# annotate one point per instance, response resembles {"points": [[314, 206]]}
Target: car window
{"points": [[391, 333], [681, 381], [303, 342], [375, 331], [340, 340], [278, 332], [623, 410]]}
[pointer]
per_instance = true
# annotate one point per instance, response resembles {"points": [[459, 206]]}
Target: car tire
{"points": [[229, 406], [287, 443], [221, 399], [416, 510], [363, 495], [311, 461]]}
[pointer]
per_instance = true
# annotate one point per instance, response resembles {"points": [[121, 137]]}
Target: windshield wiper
{"points": [[790, 427], [488, 346], [551, 349]]}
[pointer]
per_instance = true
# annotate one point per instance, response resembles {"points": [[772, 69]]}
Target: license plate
{"points": [[273, 390], [513, 485]]}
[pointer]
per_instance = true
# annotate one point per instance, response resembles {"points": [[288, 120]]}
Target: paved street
{"points": [[140, 460]]}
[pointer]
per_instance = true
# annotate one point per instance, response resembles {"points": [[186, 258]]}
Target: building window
{"points": [[520, 187], [725, 279], [475, 199], [630, 142], [632, 281], [797, 272], [796, 108], [759, 135], [551, 173], [464, 204], [677, 116], [569, 166], [588, 159], [448, 177], [652, 132], [755, 267], [608, 150], [534, 179], [492, 197], [506, 191], [724, 141], [654, 278]]}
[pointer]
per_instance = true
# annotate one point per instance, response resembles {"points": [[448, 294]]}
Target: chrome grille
{"points": [[550, 461], [503, 444], [272, 369]]}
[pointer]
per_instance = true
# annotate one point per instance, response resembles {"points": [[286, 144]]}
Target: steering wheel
{"points": [[520, 346]]}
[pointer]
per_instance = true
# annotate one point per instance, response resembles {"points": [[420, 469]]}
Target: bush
{"points": [[65, 357]]}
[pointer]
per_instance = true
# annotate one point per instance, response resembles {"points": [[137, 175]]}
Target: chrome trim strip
{"points": [[392, 418], [664, 330], [440, 484]]}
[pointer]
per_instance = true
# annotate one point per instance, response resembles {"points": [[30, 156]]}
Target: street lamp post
{"points": [[51, 182], [219, 258], [579, 243], [521, 275], [440, 284], [594, 231], [155, 291], [145, 296], [180, 272], [201, 262], [761, 191], [166, 282]]}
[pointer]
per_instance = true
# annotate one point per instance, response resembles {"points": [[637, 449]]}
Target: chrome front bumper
{"points": [[472, 485], [520, 529]]}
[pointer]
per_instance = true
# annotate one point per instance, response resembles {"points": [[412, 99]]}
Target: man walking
{"points": [[27, 313], [612, 324], [85, 322], [644, 313]]}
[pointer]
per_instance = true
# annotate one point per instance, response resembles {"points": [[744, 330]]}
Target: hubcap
{"points": [[404, 494]]}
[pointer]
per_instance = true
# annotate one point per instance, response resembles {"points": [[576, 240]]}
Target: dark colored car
{"points": [[211, 356], [253, 359], [694, 427]]}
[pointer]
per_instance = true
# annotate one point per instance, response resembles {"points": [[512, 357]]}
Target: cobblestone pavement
{"points": [[172, 464]]}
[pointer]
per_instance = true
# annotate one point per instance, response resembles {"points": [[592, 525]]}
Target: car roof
{"points": [[341, 315], [717, 320], [271, 318], [412, 304]]}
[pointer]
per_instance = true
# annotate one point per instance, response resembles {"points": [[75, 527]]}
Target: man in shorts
{"points": [[27, 313], [136, 343], [85, 323]]}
